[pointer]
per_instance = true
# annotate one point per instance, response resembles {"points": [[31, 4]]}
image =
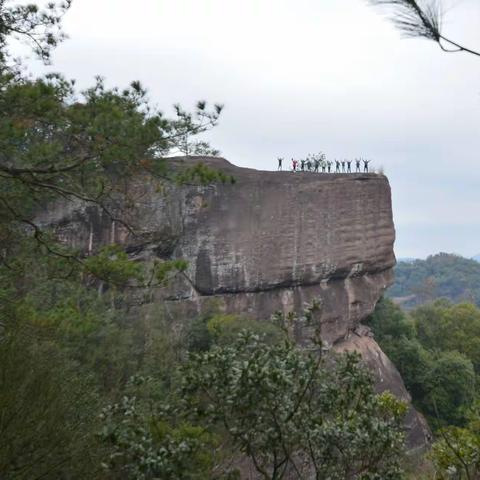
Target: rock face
{"points": [[273, 241], [387, 377]]}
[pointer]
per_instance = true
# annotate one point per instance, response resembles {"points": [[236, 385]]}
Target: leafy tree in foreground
{"points": [[58, 144], [294, 413], [65, 350], [148, 446], [456, 454], [46, 407]]}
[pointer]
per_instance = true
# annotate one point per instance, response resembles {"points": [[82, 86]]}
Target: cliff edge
{"points": [[272, 241]]}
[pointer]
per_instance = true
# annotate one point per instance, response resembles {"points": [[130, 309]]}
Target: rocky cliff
{"points": [[272, 241]]}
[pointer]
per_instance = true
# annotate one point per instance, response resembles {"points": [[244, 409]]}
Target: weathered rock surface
{"points": [[273, 241], [388, 378]]}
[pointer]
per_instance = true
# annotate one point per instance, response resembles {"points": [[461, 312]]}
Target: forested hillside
{"points": [[439, 276], [436, 348], [90, 390], [92, 387]]}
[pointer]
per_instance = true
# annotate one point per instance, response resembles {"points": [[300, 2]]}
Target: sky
{"points": [[304, 76]]}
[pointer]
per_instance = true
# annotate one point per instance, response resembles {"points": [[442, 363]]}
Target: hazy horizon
{"points": [[296, 79]]}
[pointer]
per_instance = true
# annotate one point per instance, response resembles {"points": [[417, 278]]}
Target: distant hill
{"points": [[443, 275], [406, 259]]}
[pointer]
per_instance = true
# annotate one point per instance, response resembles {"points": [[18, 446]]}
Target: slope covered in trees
{"points": [[85, 392], [436, 348], [439, 276]]}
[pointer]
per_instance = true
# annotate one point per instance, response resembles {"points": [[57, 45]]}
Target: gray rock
{"points": [[417, 432], [273, 241]]}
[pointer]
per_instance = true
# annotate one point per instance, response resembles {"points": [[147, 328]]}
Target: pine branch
{"points": [[421, 19]]}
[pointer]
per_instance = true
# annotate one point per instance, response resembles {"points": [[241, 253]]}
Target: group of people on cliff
{"points": [[318, 163]]}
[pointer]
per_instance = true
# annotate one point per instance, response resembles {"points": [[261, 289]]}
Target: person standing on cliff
{"points": [[349, 166], [322, 161], [357, 164], [280, 160], [317, 164], [365, 165], [337, 166], [329, 166], [294, 165], [302, 165], [343, 166]]}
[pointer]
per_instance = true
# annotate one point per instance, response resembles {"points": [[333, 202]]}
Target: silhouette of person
{"points": [[302, 165], [329, 166], [343, 166], [324, 166], [349, 166], [357, 164], [337, 166], [309, 165], [365, 165], [294, 165], [317, 164], [280, 160]]}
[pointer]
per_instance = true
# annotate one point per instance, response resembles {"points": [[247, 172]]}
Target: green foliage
{"points": [[286, 409], [436, 349], [224, 329], [165, 270], [187, 124], [414, 363], [39, 28], [456, 455], [46, 407], [147, 446], [68, 343], [450, 388], [201, 173], [389, 322], [113, 265], [439, 276], [446, 327]]}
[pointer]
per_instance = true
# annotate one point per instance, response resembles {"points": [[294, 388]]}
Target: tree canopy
{"points": [[439, 276]]}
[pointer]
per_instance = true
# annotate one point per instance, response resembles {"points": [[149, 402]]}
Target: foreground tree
{"points": [[295, 414], [46, 406], [456, 453], [83, 147], [39, 28], [64, 349]]}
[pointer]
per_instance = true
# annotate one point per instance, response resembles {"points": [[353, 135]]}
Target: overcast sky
{"points": [[301, 76]]}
